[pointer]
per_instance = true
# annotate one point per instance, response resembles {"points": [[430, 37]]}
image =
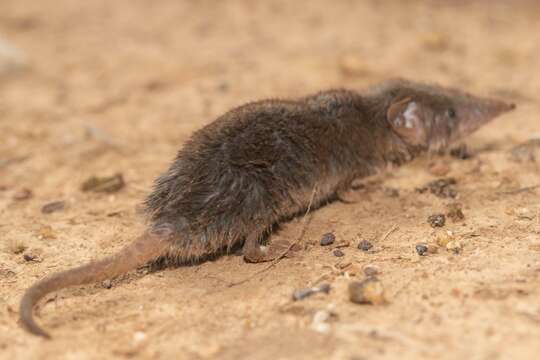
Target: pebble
{"points": [[328, 239], [32, 255], [304, 293], [367, 291], [454, 246], [339, 253], [365, 245], [53, 207], [46, 232], [436, 220], [371, 270], [11, 58], [22, 194], [139, 337], [28, 257], [108, 184], [443, 188], [432, 249], [454, 212], [424, 249], [444, 238], [107, 284], [320, 321], [421, 249]]}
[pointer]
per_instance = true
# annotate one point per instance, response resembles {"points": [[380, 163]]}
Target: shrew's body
{"points": [[265, 161]]}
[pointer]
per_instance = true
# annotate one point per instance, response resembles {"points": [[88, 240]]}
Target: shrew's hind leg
{"points": [[254, 252]]}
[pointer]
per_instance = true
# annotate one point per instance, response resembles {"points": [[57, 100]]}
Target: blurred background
{"points": [[95, 88]]}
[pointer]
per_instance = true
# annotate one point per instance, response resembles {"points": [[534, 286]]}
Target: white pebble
{"points": [[319, 322]]}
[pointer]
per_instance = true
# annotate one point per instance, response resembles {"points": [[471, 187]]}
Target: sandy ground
{"points": [[108, 87]]}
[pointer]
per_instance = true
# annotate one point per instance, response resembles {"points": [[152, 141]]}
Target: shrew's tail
{"points": [[143, 250]]}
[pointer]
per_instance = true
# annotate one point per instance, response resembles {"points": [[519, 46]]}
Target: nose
{"points": [[496, 107]]}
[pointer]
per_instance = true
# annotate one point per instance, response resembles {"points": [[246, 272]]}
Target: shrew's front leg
{"points": [[254, 252]]}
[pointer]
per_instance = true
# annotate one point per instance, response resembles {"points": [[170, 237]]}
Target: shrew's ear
{"points": [[406, 119]]}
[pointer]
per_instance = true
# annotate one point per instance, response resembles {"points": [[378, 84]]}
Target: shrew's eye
{"points": [[452, 118]]}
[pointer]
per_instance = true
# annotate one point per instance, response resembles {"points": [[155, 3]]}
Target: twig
{"points": [[282, 255], [387, 234], [520, 190]]}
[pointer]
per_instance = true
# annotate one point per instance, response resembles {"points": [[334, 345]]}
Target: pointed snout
{"points": [[479, 111], [494, 108]]}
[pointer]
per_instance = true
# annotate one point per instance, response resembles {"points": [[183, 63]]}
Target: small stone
{"points": [[11, 58], [454, 212], [320, 321], [524, 213], [304, 293], [107, 284], [108, 184], [432, 249], [421, 249], [138, 337], [32, 255], [338, 253], [28, 257], [444, 238], [371, 270], [436, 220], [367, 291], [46, 232], [454, 246], [365, 245], [53, 207], [443, 188], [328, 239], [22, 194]]}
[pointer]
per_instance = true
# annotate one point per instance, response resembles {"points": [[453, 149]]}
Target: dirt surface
{"points": [[105, 87]]}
